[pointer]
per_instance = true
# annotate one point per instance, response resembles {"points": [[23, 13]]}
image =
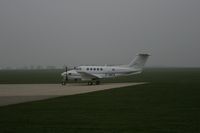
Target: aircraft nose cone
{"points": [[63, 74]]}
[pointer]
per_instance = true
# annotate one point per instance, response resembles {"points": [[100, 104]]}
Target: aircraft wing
{"points": [[88, 76]]}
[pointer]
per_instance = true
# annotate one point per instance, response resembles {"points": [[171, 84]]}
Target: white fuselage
{"points": [[99, 72], [102, 72]]}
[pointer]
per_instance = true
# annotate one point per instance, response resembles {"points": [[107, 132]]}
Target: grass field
{"points": [[170, 103]]}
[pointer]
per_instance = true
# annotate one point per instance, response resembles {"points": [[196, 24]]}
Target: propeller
{"points": [[65, 76]]}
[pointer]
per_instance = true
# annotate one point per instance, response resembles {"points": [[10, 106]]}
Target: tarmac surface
{"points": [[20, 93]]}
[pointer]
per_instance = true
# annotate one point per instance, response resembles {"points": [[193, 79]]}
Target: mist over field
{"points": [[57, 33]]}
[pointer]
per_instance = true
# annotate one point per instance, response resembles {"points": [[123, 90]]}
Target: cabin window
{"points": [[88, 69], [113, 69], [101, 69], [97, 69], [94, 69], [91, 69]]}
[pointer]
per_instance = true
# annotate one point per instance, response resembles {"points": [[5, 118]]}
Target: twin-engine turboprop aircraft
{"points": [[93, 74]]}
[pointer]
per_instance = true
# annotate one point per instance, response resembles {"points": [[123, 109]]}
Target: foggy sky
{"points": [[60, 32]]}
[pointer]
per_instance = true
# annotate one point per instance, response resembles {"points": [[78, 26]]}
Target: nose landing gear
{"points": [[63, 83], [64, 77]]}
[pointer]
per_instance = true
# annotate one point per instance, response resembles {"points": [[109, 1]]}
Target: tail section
{"points": [[139, 61]]}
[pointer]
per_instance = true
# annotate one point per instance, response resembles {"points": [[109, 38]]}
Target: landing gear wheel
{"points": [[63, 83]]}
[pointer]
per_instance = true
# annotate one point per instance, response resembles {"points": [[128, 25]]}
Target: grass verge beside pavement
{"points": [[169, 103]]}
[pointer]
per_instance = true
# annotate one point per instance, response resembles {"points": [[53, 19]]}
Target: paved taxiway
{"points": [[19, 93]]}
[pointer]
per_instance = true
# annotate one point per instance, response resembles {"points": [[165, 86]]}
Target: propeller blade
{"points": [[66, 76]]}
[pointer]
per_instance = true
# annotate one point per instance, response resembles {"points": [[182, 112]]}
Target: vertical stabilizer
{"points": [[139, 61]]}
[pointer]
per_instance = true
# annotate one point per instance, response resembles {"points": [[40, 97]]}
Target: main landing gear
{"points": [[94, 82]]}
